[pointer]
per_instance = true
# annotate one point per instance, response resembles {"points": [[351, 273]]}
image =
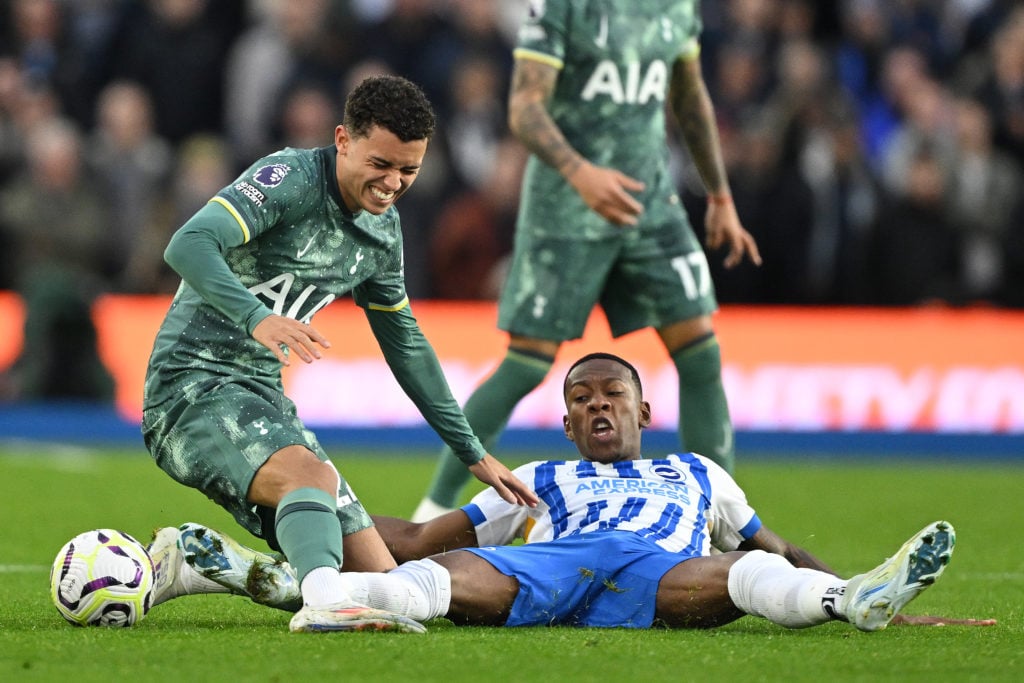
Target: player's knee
{"points": [[292, 468], [314, 473], [686, 333]]}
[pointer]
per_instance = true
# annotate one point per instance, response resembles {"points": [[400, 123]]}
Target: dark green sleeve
{"points": [[414, 364], [196, 252]]}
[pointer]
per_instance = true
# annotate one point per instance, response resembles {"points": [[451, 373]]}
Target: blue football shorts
{"points": [[603, 579]]}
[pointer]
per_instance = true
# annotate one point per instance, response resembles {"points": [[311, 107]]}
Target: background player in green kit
{"points": [[600, 221], [296, 230]]}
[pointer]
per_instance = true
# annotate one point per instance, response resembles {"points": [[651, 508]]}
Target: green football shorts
{"points": [[640, 281], [218, 433]]}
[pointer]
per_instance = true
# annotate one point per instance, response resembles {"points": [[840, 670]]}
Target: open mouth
{"points": [[601, 427]]}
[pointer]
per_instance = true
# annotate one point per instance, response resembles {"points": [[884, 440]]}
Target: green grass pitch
{"points": [[852, 514]]}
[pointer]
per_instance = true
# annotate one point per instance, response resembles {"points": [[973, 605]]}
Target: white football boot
{"points": [[351, 618], [872, 599], [243, 571], [172, 576]]}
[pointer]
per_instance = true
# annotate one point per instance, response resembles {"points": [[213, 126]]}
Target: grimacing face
{"points": [[605, 411], [374, 171]]}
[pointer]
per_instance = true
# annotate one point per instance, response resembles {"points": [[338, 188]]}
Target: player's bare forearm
{"points": [[691, 104], [605, 190], [411, 541], [533, 84], [769, 541], [800, 557]]}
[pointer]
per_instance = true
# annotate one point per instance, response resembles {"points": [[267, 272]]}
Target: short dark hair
{"points": [[391, 102], [634, 375]]}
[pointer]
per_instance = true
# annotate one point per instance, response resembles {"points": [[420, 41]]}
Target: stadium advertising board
{"points": [[785, 369]]}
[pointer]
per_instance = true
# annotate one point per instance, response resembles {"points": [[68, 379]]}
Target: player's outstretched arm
{"points": [[511, 489], [411, 541], [767, 540]]}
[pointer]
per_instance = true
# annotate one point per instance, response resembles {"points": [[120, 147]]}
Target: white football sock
{"points": [[194, 583], [322, 587], [187, 581], [767, 585], [173, 577], [421, 590]]}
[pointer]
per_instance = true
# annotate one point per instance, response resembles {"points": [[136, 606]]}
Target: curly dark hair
{"points": [[391, 102]]}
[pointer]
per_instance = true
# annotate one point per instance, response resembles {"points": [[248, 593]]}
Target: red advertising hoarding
{"points": [[785, 369]]}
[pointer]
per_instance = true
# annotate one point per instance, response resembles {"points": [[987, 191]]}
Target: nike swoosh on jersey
{"points": [[302, 252]]}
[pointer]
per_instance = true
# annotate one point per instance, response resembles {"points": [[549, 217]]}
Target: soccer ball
{"points": [[102, 577]]}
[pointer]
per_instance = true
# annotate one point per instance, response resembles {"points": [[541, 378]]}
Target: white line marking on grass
{"points": [[60, 457], [22, 568], [994, 576]]}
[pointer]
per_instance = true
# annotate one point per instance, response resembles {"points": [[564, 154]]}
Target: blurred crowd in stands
{"points": [[875, 147]]}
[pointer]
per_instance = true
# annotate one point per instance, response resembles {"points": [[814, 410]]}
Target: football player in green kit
{"points": [[600, 221], [295, 231]]}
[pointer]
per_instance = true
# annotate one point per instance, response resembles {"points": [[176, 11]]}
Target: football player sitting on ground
{"points": [[617, 541]]}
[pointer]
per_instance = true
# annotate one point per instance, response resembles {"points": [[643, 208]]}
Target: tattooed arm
{"points": [[533, 84], [691, 104], [605, 190]]}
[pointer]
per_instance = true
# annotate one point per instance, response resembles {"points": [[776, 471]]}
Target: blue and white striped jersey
{"points": [[683, 502]]}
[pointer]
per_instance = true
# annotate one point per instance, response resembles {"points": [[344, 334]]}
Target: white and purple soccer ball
{"points": [[102, 577]]}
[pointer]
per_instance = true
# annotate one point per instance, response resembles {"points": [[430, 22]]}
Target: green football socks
{"points": [[308, 530], [488, 411], [704, 424]]}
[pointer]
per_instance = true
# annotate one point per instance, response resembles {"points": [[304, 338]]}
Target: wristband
{"points": [[720, 199]]}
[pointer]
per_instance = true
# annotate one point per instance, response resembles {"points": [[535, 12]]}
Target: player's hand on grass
{"points": [[722, 228], [923, 620], [493, 473], [277, 332], [607, 192]]}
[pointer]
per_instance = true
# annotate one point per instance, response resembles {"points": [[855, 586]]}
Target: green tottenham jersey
{"points": [[615, 59], [280, 240]]}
